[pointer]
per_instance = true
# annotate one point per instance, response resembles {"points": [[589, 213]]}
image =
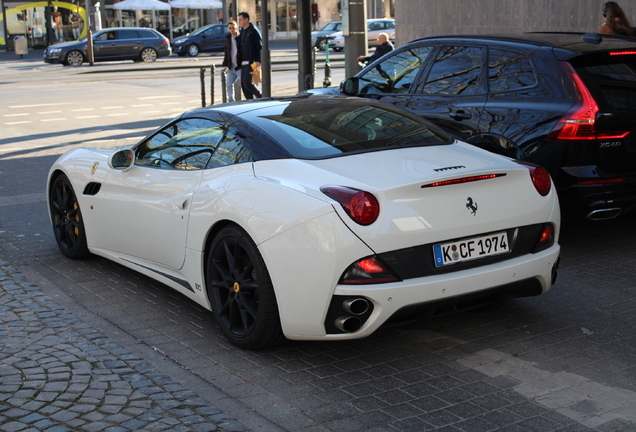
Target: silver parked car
{"points": [[318, 39]]}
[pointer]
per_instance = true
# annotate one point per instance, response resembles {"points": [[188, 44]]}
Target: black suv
{"points": [[566, 101]]}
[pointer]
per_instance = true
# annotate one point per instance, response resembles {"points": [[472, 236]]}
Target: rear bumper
{"points": [[598, 202], [530, 274], [165, 52]]}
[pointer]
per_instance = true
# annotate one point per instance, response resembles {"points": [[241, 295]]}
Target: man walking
{"points": [[249, 52], [230, 59]]}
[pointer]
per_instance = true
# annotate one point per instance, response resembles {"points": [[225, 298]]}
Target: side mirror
{"points": [[122, 159], [349, 86]]}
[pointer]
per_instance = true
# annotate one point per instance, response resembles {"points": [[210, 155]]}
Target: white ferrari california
{"points": [[311, 217]]}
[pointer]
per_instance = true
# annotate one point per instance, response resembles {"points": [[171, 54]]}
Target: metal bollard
{"points": [[223, 84], [212, 71], [202, 76], [327, 80]]}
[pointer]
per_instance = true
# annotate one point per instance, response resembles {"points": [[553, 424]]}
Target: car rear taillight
{"points": [[366, 271], [166, 41], [579, 123], [546, 238], [540, 178], [361, 206]]}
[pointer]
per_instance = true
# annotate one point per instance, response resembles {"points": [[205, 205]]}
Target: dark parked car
{"points": [[566, 101], [130, 43], [206, 39]]}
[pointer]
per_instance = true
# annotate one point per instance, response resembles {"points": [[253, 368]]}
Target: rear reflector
{"points": [[598, 182], [546, 238], [464, 180], [366, 271]]}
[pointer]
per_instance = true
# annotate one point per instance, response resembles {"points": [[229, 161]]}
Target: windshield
{"points": [[318, 128], [334, 26], [199, 31]]}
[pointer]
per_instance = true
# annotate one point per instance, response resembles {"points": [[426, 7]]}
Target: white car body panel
{"points": [[410, 215]]}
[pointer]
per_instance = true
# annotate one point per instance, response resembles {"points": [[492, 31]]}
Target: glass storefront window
{"points": [[30, 20], [286, 17]]}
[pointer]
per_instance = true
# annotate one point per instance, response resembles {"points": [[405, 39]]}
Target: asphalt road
{"points": [[562, 361]]}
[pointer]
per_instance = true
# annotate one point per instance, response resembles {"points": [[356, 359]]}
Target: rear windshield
{"points": [[612, 81], [311, 129]]}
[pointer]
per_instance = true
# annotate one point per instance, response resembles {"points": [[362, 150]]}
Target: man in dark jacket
{"points": [[384, 47], [230, 59], [249, 52]]}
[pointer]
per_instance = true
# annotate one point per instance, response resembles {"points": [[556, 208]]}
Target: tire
{"points": [[66, 217], [241, 292], [192, 50], [321, 45], [74, 58], [148, 55]]}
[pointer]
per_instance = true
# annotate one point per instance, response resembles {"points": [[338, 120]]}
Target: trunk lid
{"points": [[412, 215]]}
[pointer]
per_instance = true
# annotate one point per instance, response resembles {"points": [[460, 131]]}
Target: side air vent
{"points": [[92, 188], [449, 168]]}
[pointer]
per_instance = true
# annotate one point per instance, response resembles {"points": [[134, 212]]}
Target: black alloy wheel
{"points": [[66, 217], [241, 291]]}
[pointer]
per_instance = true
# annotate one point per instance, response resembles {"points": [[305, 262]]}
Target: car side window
{"points": [[396, 73], [106, 36], [129, 34], [231, 151], [185, 144], [508, 70], [456, 71], [147, 34]]}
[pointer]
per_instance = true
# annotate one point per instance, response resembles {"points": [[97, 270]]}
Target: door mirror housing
{"points": [[349, 86], [122, 160]]}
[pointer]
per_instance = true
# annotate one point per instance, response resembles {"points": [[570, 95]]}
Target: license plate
{"points": [[470, 249]]}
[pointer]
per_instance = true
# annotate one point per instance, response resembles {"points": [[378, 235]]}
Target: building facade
{"points": [[420, 18]]}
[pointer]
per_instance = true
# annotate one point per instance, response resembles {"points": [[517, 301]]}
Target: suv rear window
{"points": [[612, 81]]}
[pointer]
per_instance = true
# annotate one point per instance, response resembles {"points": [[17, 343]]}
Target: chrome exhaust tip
{"points": [[348, 324], [604, 214], [356, 306]]}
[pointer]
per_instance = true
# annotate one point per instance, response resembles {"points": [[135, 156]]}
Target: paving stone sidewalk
{"points": [[57, 373]]}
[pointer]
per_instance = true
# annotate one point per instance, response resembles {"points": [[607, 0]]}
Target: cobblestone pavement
{"points": [[57, 373], [564, 361]]}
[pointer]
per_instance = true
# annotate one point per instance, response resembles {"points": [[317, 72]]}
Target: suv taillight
{"points": [[579, 123]]}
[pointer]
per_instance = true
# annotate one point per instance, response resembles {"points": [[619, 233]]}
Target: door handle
{"points": [[460, 115]]}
